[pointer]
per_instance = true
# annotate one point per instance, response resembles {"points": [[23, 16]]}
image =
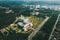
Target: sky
{"points": [[43, 0], [29, 0]]}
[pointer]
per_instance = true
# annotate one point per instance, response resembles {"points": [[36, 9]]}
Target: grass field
{"points": [[33, 19]]}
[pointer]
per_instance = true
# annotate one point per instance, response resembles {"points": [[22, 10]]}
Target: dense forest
{"points": [[45, 32]]}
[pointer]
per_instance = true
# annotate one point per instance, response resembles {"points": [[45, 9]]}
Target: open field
{"points": [[33, 19]]}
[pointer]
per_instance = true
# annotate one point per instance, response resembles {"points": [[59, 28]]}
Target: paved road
{"points": [[37, 29], [54, 27]]}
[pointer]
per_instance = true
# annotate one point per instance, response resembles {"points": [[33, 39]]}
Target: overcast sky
{"points": [[43, 0], [30, 0]]}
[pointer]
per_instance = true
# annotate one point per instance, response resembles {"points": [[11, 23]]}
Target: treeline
{"points": [[6, 19], [13, 36], [45, 32]]}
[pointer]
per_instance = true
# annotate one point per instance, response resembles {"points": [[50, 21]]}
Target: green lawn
{"points": [[35, 21]]}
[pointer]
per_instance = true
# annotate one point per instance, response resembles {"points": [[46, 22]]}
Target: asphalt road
{"points": [[37, 29], [54, 27]]}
